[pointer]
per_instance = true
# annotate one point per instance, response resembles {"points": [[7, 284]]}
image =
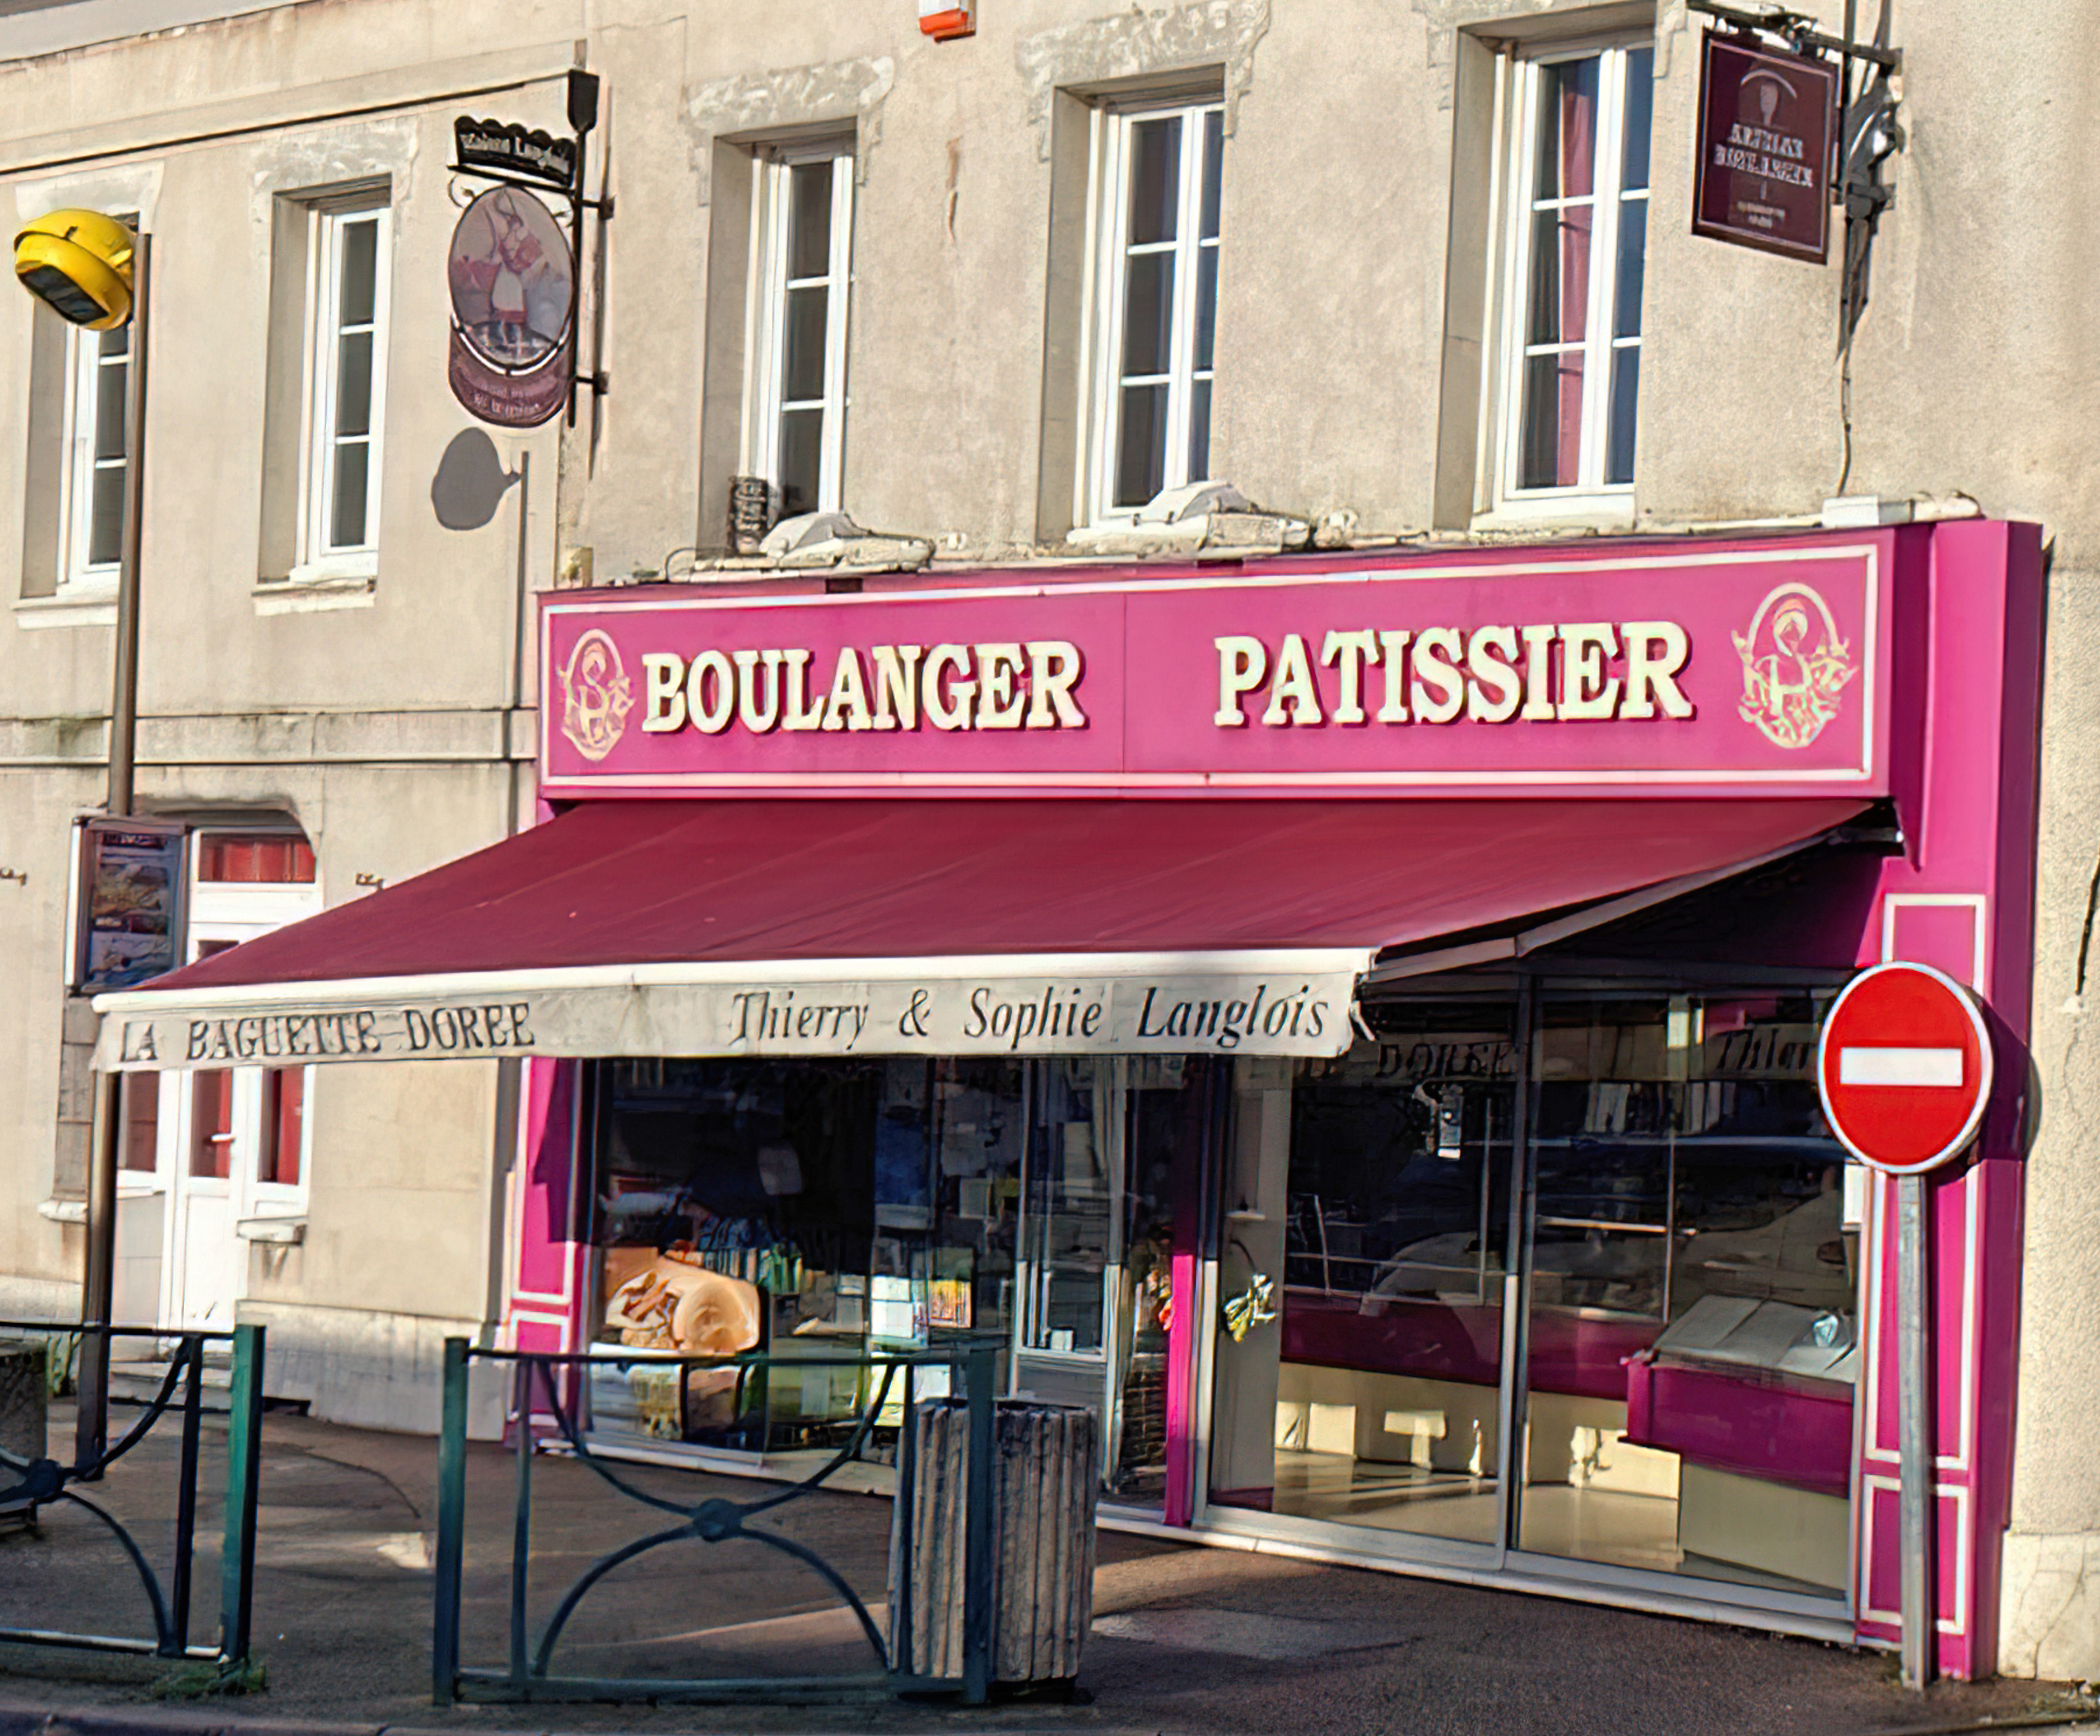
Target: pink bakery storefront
{"points": [[1348, 1019]]}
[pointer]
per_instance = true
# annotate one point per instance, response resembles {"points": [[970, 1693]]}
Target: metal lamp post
{"points": [[94, 271]]}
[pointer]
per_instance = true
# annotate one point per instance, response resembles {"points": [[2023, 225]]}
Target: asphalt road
{"points": [[1185, 1639]]}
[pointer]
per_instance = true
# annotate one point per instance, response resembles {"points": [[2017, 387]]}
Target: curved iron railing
{"points": [[40, 1482], [536, 1382]]}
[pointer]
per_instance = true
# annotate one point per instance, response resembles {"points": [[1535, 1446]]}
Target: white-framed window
{"points": [[348, 250], [1567, 387], [91, 518], [802, 280], [1158, 186]]}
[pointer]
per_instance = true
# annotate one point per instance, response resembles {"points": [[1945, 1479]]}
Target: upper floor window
{"points": [[348, 246], [1577, 176], [1159, 175], [795, 396], [98, 367]]}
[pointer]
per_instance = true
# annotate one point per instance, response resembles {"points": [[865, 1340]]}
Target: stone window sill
{"points": [[308, 591], [92, 604]]}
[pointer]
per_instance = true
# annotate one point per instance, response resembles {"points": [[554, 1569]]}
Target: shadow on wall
{"points": [[470, 482]]}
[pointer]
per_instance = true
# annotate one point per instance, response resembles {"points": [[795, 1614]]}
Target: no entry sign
{"points": [[1904, 1068]]}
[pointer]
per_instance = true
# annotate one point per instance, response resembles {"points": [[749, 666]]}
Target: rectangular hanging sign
{"points": [[1766, 122], [130, 903], [1733, 669]]}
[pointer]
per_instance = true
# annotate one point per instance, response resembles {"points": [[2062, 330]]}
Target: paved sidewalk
{"points": [[1185, 1639]]}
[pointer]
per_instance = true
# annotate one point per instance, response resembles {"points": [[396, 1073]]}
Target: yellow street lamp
{"points": [[79, 263]]}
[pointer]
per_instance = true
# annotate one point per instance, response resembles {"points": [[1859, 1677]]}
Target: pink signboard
{"points": [[1698, 668]]}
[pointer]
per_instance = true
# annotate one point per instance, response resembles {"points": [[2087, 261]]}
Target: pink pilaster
{"points": [[1961, 898]]}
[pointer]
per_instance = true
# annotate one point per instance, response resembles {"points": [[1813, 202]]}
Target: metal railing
{"points": [[42, 1480], [536, 1390]]}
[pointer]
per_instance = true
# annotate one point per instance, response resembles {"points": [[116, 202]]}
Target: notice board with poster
{"points": [[1767, 120], [131, 907]]}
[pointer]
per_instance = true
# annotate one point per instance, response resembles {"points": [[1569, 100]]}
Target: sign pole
{"points": [[1914, 1405], [1903, 1069]]}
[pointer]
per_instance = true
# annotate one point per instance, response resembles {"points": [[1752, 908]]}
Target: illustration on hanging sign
{"points": [[1765, 124], [595, 697], [1795, 666], [512, 275], [511, 148]]}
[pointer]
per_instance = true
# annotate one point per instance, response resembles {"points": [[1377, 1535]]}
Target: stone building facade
{"points": [[898, 278]]}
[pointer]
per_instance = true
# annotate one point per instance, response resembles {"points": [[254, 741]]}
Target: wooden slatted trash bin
{"points": [[25, 1417], [1043, 1489]]}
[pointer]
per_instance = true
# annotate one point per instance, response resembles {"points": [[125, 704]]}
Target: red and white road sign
{"points": [[1904, 1068]]}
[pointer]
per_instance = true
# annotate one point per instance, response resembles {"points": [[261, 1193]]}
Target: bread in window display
{"points": [[675, 1304]]}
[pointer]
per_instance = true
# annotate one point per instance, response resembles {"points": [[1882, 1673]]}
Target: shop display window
{"points": [[821, 1207], [1649, 1180]]}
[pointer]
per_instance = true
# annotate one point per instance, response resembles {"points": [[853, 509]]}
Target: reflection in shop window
{"points": [[834, 1207], [1694, 1322], [1072, 1240]]}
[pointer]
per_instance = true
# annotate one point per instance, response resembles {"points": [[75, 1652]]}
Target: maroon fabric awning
{"points": [[663, 882], [918, 927]]}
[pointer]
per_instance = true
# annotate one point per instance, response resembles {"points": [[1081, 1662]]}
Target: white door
{"points": [[233, 1141]]}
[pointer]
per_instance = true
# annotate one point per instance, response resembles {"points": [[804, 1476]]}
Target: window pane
{"points": [[1567, 129], [1148, 314], [346, 524], [1551, 443], [360, 274], [801, 460], [1626, 390], [105, 522], [1560, 275], [1155, 180], [266, 857], [109, 380], [802, 361], [1214, 172], [1633, 250], [116, 340], [284, 1111], [142, 1120], [1199, 431], [1141, 445], [1206, 305], [353, 383], [1640, 114], [810, 220], [211, 1124], [1069, 1230]]}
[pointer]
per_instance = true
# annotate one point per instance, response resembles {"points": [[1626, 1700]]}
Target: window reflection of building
{"points": [[1688, 1275]]}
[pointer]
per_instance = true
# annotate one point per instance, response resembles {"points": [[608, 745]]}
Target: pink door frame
{"points": [[1967, 664]]}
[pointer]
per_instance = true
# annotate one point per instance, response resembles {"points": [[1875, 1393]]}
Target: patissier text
{"points": [[1548, 673]]}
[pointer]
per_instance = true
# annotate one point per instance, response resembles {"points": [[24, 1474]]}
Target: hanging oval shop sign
{"points": [[512, 274], [1904, 1068]]}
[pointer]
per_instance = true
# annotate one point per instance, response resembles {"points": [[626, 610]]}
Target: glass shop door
{"points": [[1366, 1213], [1112, 1179]]}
